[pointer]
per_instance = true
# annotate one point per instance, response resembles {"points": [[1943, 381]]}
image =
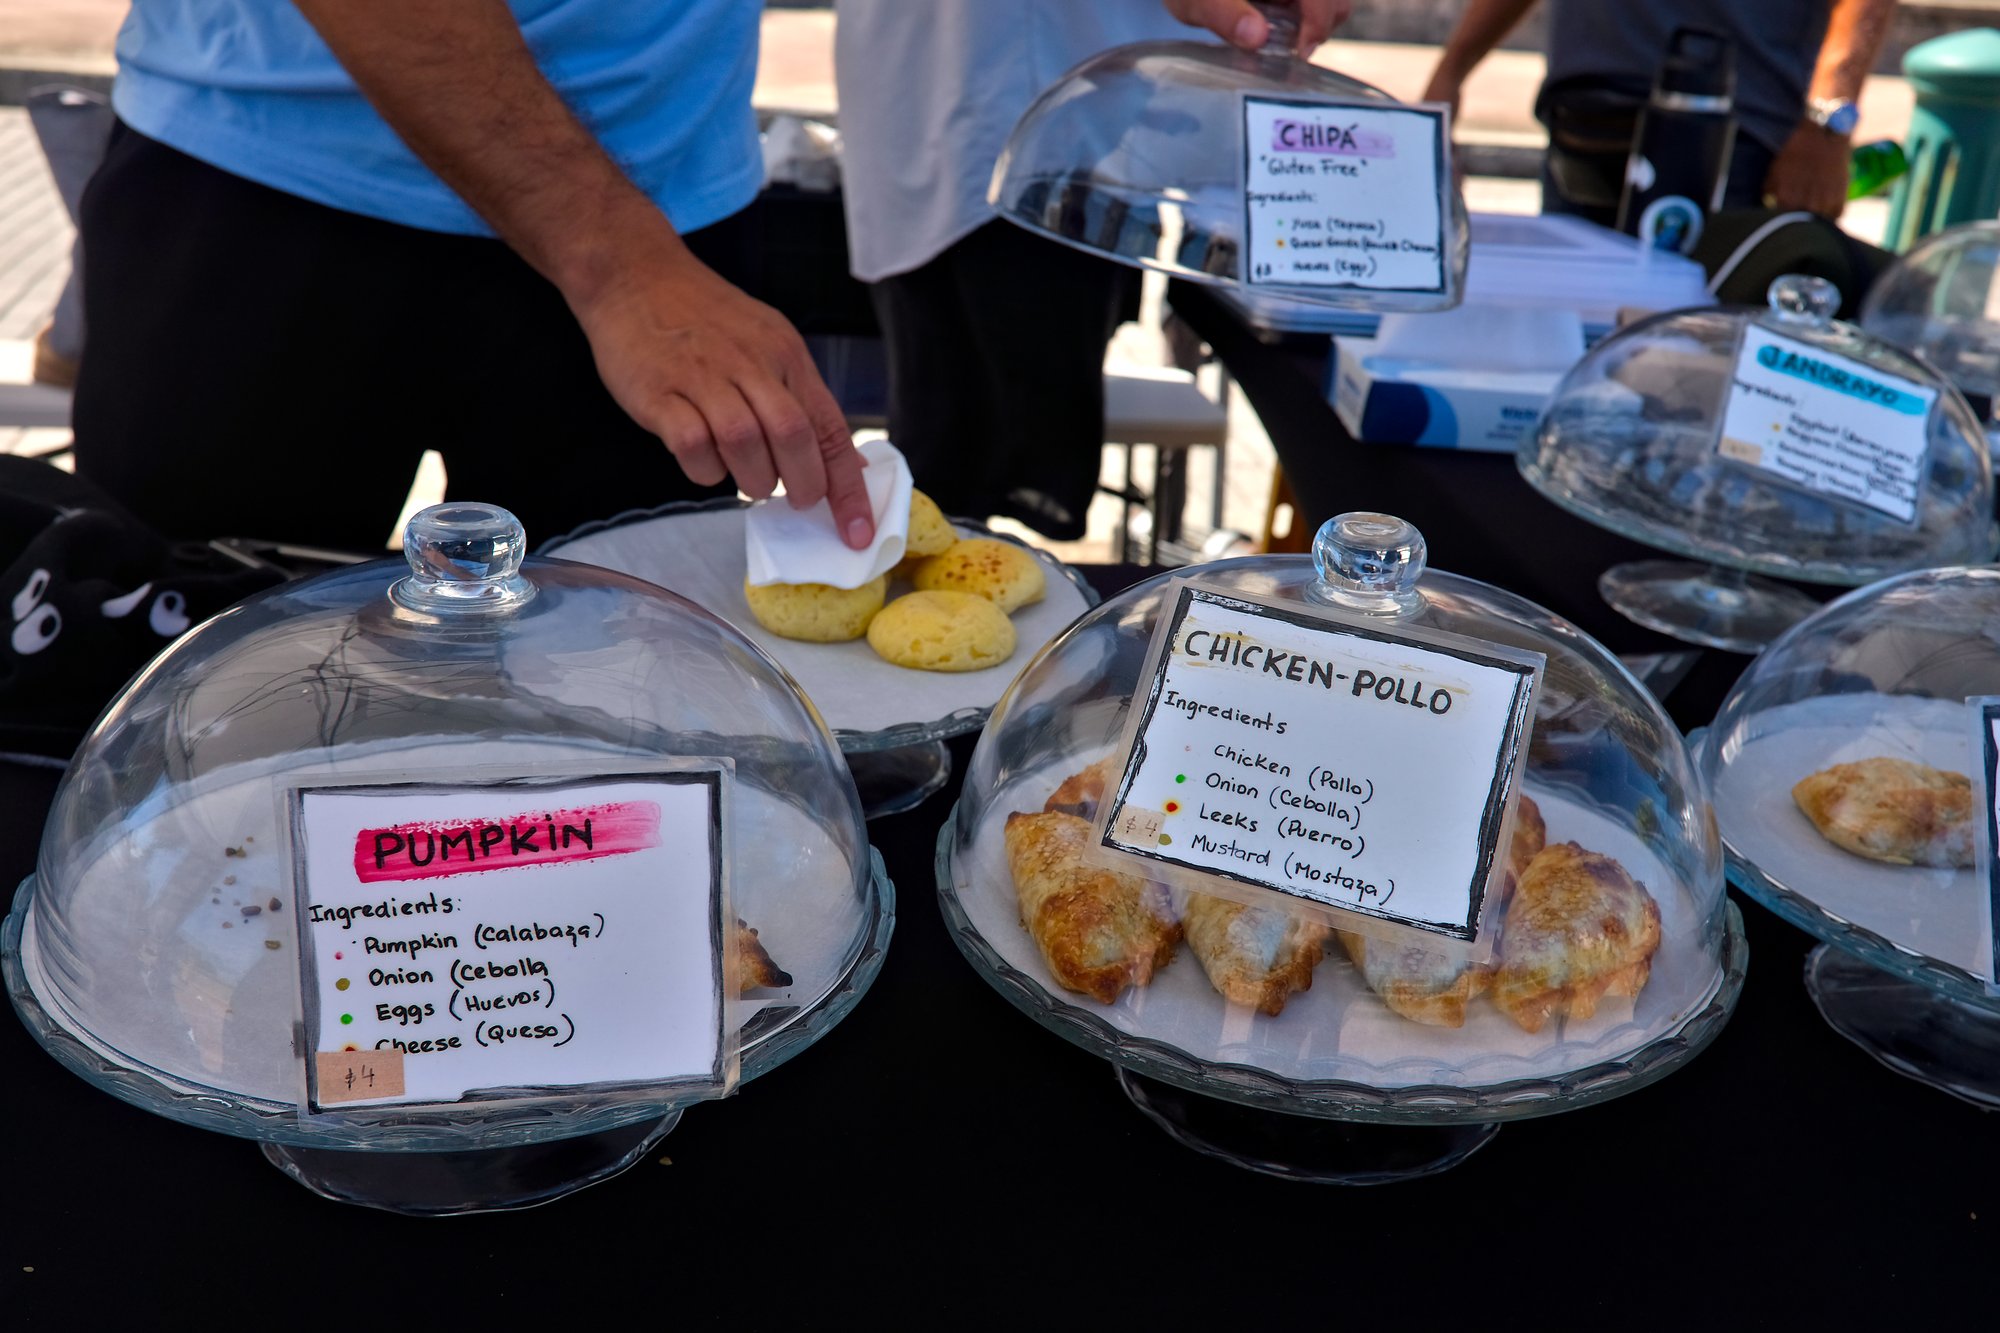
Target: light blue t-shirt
{"points": [[248, 86]]}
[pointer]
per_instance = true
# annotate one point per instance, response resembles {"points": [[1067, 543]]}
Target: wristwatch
{"points": [[1835, 115]]}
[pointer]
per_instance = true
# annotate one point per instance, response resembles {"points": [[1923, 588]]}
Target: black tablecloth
{"points": [[940, 1158]]}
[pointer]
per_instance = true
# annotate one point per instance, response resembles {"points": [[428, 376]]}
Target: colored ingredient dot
{"points": [[1165, 841], [1173, 807], [340, 984], [337, 955], [1180, 777], [347, 1018]]}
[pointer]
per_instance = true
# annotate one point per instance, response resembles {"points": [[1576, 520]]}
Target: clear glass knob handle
{"points": [[1798, 299], [465, 558], [1282, 39], [1368, 563]]}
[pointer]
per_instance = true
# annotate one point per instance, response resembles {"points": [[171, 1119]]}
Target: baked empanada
{"points": [[1099, 930], [1424, 987], [754, 968], [1892, 810], [1579, 928], [1081, 793], [1434, 988], [1256, 956]]}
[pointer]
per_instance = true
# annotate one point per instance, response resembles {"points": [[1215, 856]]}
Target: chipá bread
{"points": [[942, 631], [1007, 575], [815, 612]]}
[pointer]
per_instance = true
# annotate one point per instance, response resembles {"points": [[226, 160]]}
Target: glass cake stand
{"points": [[1138, 155], [159, 950], [696, 548], [1330, 1131], [1630, 442], [422, 1167], [1941, 303], [1336, 1087], [1881, 672]]}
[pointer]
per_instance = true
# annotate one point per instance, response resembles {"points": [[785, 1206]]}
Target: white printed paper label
{"points": [[1827, 424], [511, 936], [1351, 766], [1343, 195]]}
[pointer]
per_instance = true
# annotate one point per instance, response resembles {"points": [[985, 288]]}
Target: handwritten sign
{"points": [[358, 1076], [1826, 423], [525, 936], [1340, 194], [1348, 764]]}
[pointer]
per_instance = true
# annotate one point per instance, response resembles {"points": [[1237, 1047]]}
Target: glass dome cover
{"points": [[1941, 302], [1604, 766], [1631, 440], [1139, 155], [1870, 690], [156, 950]]}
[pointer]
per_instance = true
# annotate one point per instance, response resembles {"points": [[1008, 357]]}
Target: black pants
{"points": [[996, 374], [262, 366]]}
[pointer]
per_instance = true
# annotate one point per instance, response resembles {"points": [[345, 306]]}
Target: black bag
{"points": [[90, 594], [1745, 250]]}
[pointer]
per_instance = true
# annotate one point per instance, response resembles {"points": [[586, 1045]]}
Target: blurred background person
{"points": [[330, 234], [995, 336], [1800, 66]]}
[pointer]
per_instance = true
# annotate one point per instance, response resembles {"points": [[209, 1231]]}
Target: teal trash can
{"points": [[1954, 141]]}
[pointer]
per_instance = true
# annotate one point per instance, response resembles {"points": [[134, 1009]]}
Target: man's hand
{"points": [[722, 379], [725, 381], [1238, 22], [1809, 172]]}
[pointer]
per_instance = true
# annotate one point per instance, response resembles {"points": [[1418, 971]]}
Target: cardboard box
{"points": [[1387, 400]]}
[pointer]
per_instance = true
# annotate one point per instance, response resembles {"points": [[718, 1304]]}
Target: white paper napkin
{"points": [[787, 545]]}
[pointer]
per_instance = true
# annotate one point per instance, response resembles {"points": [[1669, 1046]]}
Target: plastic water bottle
{"points": [[1684, 139], [1873, 166]]}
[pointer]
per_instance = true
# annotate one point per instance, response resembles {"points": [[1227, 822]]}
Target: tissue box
{"points": [[1388, 400]]}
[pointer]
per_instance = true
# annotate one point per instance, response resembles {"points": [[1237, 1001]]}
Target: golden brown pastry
{"points": [[1257, 956], [754, 968], [1003, 573], [1099, 931], [1892, 810], [1531, 834], [942, 631], [931, 532], [815, 612], [1434, 988], [1080, 793], [1423, 986], [1579, 928]]}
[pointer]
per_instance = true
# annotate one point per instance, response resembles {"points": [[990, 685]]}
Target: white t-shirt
{"points": [[929, 91]]}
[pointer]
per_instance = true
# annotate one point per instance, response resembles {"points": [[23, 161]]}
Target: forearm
{"points": [[1855, 30], [1481, 27], [456, 80]]}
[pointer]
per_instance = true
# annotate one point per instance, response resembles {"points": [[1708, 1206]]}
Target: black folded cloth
{"points": [[90, 595]]}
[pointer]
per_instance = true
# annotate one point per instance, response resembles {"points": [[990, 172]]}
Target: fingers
{"points": [[836, 460], [687, 437], [785, 448], [1237, 23], [1234, 21], [1318, 19], [847, 493]]}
